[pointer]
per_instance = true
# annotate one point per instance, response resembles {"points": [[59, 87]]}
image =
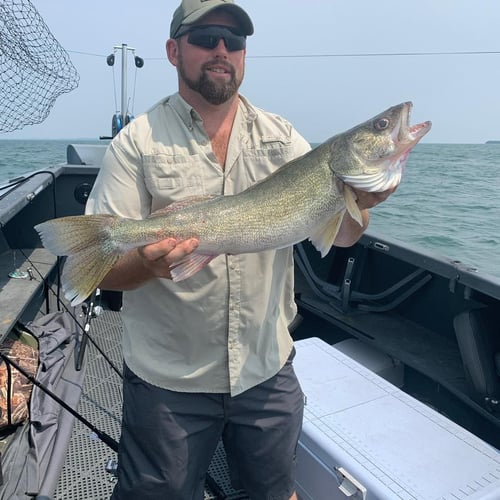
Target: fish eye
{"points": [[381, 124]]}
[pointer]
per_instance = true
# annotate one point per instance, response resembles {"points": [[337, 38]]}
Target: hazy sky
{"points": [[331, 88]]}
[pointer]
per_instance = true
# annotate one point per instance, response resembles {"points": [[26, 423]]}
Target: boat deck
{"points": [[84, 475]]}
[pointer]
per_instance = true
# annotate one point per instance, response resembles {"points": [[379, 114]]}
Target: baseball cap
{"points": [[190, 11]]}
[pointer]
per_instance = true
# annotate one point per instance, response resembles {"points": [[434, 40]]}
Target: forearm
{"points": [[127, 274]]}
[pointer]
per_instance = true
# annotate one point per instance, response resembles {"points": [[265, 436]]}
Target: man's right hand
{"points": [[158, 257]]}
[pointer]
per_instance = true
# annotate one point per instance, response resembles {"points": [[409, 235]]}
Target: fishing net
{"points": [[34, 68]]}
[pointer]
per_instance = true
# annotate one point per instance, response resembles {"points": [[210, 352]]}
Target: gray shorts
{"points": [[168, 439]]}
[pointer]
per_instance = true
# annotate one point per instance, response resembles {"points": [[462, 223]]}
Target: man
{"points": [[209, 357]]}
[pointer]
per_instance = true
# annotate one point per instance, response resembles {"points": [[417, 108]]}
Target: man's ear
{"points": [[172, 51]]}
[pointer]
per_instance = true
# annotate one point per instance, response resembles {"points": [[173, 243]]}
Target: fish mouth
{"points": [[406, 136]]}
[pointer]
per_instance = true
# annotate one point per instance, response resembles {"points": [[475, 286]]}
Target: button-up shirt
{"points": [[225, 329]]}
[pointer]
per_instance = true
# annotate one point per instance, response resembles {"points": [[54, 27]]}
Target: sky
{"points": [[307, 61]]}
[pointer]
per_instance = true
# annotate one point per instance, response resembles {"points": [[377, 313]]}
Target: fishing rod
{"points": [[91, 310], [105, 438]]}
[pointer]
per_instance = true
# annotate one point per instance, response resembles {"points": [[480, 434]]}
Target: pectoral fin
{"points": [[190, 265], [351, 205], [324, 236]]}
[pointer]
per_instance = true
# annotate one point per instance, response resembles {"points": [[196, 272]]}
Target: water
{"points": [[448, 201], [18, 157]]}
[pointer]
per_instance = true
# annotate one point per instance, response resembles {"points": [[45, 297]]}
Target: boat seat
{"points": [[478, 335]]}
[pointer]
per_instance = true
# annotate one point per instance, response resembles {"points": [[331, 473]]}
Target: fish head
{"points": [[372, 156]]}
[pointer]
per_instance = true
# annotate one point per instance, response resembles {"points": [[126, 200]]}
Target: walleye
{"points": [[305, 198]]}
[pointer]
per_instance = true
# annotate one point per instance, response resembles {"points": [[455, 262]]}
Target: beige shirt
{"points": [[225, 329]]}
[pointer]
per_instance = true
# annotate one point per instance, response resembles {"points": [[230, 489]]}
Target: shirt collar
{"points": [[184, 110], [249, 112]]}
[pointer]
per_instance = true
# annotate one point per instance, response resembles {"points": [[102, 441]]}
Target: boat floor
{"points": [[84, 475]]}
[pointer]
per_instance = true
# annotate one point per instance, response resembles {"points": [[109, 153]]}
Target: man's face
{"points": [[216, 74]]}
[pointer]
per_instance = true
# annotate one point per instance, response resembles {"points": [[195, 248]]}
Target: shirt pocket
{"points": [[270, 153], [172, 177]]}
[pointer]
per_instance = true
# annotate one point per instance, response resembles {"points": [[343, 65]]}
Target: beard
{"points": [[214, 92]]}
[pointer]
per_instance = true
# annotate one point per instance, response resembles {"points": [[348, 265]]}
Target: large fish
{"points": [[305, 198]]}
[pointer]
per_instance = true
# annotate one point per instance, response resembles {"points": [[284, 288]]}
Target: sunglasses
{"points": [[209, 36]]}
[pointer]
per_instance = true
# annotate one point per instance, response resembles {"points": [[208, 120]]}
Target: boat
{"points": [[422, 328]]}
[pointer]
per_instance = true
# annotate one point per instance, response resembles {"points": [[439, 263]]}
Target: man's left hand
{"points": [[366, 200]]}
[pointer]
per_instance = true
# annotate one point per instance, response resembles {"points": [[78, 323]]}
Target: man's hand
{"points": [[367, 200], [158, 257]]}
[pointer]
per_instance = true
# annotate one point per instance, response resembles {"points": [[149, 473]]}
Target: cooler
{"points": [[363, 438]]}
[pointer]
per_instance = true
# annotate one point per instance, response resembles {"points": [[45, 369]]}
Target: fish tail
{"points": [[91, 253]]}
